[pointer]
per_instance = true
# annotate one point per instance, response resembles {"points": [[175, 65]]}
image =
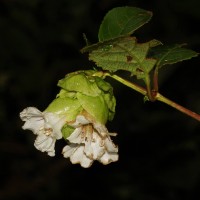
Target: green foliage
{"points": [[125, 54], [170, 54], [118, 50], [122, 21]]}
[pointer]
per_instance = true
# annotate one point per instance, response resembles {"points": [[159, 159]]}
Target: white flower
{"points": [[90, 141], [46, 125]]}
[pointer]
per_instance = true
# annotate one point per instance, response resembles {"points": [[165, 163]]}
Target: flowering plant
{"points": [[78, 114], [86, 102]]}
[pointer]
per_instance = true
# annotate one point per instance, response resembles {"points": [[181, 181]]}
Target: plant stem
{"points": [[182, 109], [127, 83], [155, 80], [149, 91], [158, 96]]}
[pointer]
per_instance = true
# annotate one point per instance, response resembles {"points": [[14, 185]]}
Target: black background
{"points": [[159, 147]]}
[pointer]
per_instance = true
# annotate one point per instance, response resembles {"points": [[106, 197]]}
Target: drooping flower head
{"points": [[93, 93], [78, 114]]}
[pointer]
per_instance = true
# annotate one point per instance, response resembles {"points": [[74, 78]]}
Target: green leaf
{"points": [[104, 45], [170, 54], [122, 21], [125, 54]]}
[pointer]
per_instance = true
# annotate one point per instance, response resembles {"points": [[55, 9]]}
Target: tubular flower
{"points": [[46, 125], [90, 141]]}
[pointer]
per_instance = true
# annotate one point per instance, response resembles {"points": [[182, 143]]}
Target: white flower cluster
{"points": [[89, 141]]}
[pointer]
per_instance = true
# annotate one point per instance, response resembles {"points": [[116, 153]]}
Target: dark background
{"points": [[159, 147]]}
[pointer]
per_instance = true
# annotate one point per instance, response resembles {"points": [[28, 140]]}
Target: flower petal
{"points": [[33, 119], [108, 158], [88, 148], [80, 120], [55, 122], [45, 144], [97, 147], [110, 146], [79, 157], [75, 137], [101, 129], [29, 112], [68, 150]]}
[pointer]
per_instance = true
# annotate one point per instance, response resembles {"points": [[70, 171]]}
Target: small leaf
{"points": [[125, 54], [170, 54], [122, 21]]}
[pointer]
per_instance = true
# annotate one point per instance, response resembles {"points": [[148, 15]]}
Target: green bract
{"points": [[65, 106], [80, 83], [67, 131], [89, 93], [81, 91]]}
